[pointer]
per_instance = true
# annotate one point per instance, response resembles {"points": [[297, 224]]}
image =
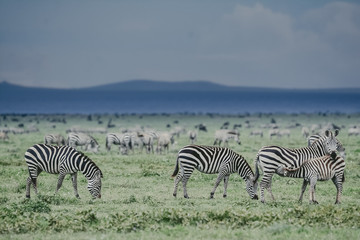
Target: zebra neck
{"points": [[85, 165], [243, 168], [317, 149]]}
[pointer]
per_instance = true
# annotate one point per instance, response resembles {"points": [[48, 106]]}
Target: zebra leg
{"points": [[266, 183], [303, 188], [60, 181], [226, 180], [217, 182], [338, 185], [28, 184], [74, 182], [312, 191], [177, 180]]}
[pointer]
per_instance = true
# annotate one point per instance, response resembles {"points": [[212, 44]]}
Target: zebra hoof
{"points": [[28, 196], [174, 194], [77, 196], [186, 196], [224, 196]]}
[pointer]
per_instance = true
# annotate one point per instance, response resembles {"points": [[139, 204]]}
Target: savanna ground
{"points": [[137, 201]]}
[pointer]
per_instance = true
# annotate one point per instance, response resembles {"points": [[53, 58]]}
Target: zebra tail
{"points": [[176, 168]]}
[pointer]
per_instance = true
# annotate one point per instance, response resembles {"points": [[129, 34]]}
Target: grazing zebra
{"points": [[54, 139], [316, 137], [211, 160], [271, 157], [62, 160], [124, 140], [224, 135], [147, 139], [82, 139], [322, 169], [164, 141], [192, 136]]}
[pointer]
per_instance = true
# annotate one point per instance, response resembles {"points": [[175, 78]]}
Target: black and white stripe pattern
{"points": [[54, 139], [123, 140], [322, 169], [211, 160], [62, 160], [313, 138], [270, 158], [82, 139]]}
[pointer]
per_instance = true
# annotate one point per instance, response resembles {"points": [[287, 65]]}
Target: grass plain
{"points": [[137, 201]]}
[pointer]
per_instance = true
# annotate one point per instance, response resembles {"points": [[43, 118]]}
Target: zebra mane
{"points": [[87, 159]]}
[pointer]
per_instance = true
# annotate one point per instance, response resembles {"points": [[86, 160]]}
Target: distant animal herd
{"points": [[322, 159]]}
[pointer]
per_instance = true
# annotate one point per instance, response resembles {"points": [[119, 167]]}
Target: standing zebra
{"points": [[211, 160], [316, 137], [322, 169], [271, 157], [124, 140], [57, 139], [62, 160], [224, 135], [82, 139]]}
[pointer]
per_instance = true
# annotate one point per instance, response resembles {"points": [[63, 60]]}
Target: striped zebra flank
{"points": [[270, 158], [318, 169], [212, 160], [62, 160]]}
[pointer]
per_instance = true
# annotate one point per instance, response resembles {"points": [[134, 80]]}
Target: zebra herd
{"points": [[319, 161], [322, 159]]}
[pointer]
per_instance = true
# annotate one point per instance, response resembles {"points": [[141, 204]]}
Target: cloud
{"points": [[70, 43]]}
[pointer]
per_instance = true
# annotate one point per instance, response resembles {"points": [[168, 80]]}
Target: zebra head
{"points": [[331, 144], [251, 187], [94, 185]]}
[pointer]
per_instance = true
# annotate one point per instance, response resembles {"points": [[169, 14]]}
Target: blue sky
{"points": [[287, 44]]}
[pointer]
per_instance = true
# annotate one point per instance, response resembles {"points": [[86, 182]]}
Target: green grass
{"points": [[137, 201]]}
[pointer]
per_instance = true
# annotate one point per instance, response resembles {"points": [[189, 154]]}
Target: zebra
{"points": [[316, 137], [57, 139], [224, 135], [62, 160], [192, 136], [124, 140], [322, 169], [269, 158], [82, 139], [147, 139], [165, 139], [211, 160]]}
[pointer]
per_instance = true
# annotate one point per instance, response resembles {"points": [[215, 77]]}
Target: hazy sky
{"points": [[278, 43]]}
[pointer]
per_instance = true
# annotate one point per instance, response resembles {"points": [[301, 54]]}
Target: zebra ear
{"points": [[337, 131], [327, 133]]}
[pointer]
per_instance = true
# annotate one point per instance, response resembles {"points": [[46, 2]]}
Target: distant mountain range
{"points": [[150, 85], [144, 96]]}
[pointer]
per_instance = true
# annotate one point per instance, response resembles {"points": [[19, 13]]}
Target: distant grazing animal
{"points": [[212, 160], [354, 131], [4, 136], [165, 139], [54, 139], [82, 139], [269, 158], [147, 139], [62, 160], [322, 169], [192, 136], [257, 132], [123, 140], [224, 135]]}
